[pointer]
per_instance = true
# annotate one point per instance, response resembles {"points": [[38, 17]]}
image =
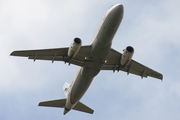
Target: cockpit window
{"points": [[111, 6]]}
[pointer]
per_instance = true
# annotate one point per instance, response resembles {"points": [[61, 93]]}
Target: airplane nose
{"points": [[118, 11], [120, 5], [119, 8]]}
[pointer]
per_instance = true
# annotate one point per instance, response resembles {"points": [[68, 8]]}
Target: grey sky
{"points": [[151, 27]]}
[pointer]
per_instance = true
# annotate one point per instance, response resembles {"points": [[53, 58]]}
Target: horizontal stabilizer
{"points": [[61, 104], [54, 103], [83, 108]]}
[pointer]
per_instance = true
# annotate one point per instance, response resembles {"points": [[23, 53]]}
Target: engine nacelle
{"points": [[127, 55], [74, 48]]}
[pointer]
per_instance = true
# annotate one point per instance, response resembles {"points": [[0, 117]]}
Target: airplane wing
{"points": [[57, 54], [113, 63]]}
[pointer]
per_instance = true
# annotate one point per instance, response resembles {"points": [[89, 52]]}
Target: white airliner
{"points": [[92, 59]]}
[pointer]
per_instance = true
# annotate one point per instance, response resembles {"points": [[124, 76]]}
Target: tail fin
{"points": [[66, 88]]}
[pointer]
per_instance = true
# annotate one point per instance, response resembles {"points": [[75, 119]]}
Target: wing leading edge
{"points": [[57, 54], [113, 63]]}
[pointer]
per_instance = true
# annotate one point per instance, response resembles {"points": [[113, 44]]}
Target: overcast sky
{"points": [[151, 27]]}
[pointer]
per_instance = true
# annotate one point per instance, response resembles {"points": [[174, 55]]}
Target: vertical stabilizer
{"points": [[66, 88]]}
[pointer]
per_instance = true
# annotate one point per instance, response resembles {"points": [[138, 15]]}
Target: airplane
{"points": [[92, 59]]}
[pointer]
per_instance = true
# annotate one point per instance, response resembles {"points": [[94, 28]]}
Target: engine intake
{"points": [[77, 40], [130, 49], [126, 56], [74, 48]]}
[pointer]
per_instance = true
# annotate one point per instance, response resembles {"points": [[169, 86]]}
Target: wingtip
{"points": [[11, 54], [161, 77], [39, 104]]}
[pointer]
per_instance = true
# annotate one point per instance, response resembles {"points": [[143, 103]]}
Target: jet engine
{"points": [[74, 48], [127, 55]]}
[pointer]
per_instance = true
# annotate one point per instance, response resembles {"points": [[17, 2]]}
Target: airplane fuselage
{"points": [[100, 47]]}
